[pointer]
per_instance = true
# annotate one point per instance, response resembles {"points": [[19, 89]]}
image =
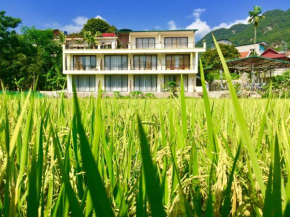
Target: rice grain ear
{"points": [[245, 134]]}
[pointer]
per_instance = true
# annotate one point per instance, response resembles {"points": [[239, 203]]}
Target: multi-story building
{"points": [[127, 61]]}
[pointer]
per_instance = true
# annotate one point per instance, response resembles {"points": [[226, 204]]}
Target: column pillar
{"points": [[63, 58], [69, 83], [159, 62], [191, 61], [130, 42], [69, 65], [130, 83], [99, 82], [130, 62], [160, 82], [196, 62], [191, 83]]}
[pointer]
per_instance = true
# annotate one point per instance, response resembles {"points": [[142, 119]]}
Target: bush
{"points": [[280, 86], [136, 95], [150, 96], [117, 94]]}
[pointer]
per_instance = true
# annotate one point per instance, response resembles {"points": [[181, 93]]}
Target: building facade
{"points": [[127, 61], [259, 48]]}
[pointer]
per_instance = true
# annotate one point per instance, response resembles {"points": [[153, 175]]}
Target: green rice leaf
{"points": [[245, 134], [102, 206], [152, 184]]}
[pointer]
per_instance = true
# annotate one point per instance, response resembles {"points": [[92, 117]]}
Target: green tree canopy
{"points": [[9, 43], [31, 55], [211, 57], [96, 24]]}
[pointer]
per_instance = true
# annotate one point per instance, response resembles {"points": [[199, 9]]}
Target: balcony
{"points": [[101, 68], [134, 46]]}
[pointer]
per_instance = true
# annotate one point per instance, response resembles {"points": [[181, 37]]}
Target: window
{"points": [[145, 62], [175, 42], [116, 83], [177, 62], [85, 83], [147, 83], [84, 62], [177, 79], [119, 62], [145, 42]]}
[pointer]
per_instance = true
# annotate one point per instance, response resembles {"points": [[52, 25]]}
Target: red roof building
{"points": [[272, 54], [245, 54]]}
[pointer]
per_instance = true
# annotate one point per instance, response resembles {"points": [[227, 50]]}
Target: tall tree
{"points": [[255, 17], [96, 24], [211, 57], [9, 44]]}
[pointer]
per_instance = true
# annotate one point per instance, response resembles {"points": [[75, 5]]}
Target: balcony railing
{"points": [[148, 46], [130, 67], [84, 67], [161, 45]]}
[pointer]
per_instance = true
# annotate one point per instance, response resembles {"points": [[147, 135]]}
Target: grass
{"points": [[144, 157]]}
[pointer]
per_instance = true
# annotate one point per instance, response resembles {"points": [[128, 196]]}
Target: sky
{"points": [[70, 16]]}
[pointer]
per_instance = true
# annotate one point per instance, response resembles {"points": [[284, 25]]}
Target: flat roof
{"points": [[176, 30], [253, 44]]}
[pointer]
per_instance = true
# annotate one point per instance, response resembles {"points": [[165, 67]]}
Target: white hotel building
{"points": [[127, 61]]}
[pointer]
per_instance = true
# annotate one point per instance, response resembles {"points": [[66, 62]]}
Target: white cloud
{"points": [[197, 12], [230, 24], [171, 24], [80, 21], [99, 17], [204, 28], [77, 25]]}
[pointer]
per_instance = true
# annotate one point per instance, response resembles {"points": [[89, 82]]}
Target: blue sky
{"points": [[204, 15]]}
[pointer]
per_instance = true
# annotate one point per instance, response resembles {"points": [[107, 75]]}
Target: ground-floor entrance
{"points": [[128, 83]]}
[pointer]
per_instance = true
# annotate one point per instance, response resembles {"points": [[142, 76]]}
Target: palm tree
{"points": [[255, 17], [91, 39]]}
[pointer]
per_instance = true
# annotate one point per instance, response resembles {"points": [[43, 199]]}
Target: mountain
{"points": [[274, 30]]}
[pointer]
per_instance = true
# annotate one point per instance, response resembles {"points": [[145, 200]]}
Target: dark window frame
{"points": [[85, 56], [186, 90], [109, 76], [134, 67], [171, 45], [134, 82], [143, 42], [177, 55], [122, 67], [77, 83]]}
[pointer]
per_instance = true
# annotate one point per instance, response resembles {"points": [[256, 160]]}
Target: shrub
{"points": [[136, 95]]}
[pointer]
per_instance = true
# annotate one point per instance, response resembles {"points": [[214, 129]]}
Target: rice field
{"points": [[195, 174], [144, 157]]}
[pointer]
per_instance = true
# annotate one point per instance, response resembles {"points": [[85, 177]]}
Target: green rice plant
{"points": [[180, 157]]}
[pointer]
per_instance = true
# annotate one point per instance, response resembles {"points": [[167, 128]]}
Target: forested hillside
{"points": [[274, 30]]}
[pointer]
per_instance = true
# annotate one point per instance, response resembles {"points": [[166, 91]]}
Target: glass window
{"points": [[84, 62], [116, 83], [85, 83], [119, 62], [146, 83], [175, 42], [145, 62], [145, 42], [177, 79], [177, 62]]}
